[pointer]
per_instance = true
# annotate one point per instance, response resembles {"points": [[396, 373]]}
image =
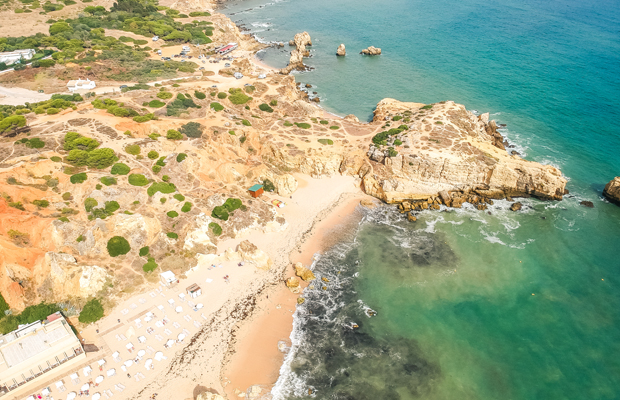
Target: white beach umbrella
{"points": [[85, 387], [128, 363], [101, 362], [148, 363], [141, 353], [159, 355], [179, 309], [181, 337], [30, 398], [71, 396], [111, 372], [99, 379], [170, 342], [142, 339], [199, 306], [45, 392], [96, 396]]}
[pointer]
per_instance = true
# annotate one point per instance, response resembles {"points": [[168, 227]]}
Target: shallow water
{"points": [[470, 305]]}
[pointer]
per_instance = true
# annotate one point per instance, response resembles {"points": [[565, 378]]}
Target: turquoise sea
{"points": [[469, 305]]}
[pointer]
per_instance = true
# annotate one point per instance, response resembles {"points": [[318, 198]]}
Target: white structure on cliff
{"points": [[80, 84], [11, 57], [31, 352]]}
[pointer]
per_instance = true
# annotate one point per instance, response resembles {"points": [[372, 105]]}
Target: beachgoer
{"points": [[128, 376]]}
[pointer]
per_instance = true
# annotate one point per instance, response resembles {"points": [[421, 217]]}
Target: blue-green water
{"points": [[456, 315]]}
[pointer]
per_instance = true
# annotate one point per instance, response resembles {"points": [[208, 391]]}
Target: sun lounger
{"points": [[108, 393], [124, 311], [167, 331], [159, 337], [150, 350], [171, 303], [182, 296], [142, 301], [129, 347], [118, 338], [176, 325], [187, 317], [74, 378], [60, 386], [152, 294], [134, 305], [203, 317], [120, 385], [186, 332], [87, 370], [197, 324], [117, 356], [123, 336]]}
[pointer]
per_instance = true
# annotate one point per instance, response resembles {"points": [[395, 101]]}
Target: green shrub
{"points": [[101, 158], [17, 204], [98, 186], [163, 187], [216, 106], [303, 125], [80, 239], [165, 178], [90, 203], [55, 158], [273, 103], [120, 169], [138, 180], [144, 251], [156, 168], [181, 157], [237, 96], [108, 180], [397, 142], [187, 207], [172, 235], [172, 214], [232, 204], [52, 111], [78, 178], [63, 219], [30, 314], [250, 89], [154, 136], [220, 212], [287, 123], [164, 95], [215, 228], [111, 206], [117, 246], [426, 107], [74, 140], [92, 312], [41, 203], [35, 143], [397, 118], [173, 135], [265, 107], [133, 149], [153, 155], [222, 95], [156, 104], [162, 200], [199, 14], [67, 196], [392, 152], [143, 118], [268, 186], [323, 122], [246, 122], [200, 95], [326, 141], [334, 127], [192, 129], [179, 197], [150, 266], [161, 162]]}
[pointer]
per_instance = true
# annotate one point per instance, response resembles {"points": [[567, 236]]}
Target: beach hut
{"points": [[194, 291], [256, 190], [167, 278]]}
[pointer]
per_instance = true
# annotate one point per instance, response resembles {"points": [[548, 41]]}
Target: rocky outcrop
{"points": [[612, 190], [209, 396], [301, 40], [342, 51], [515, 206], [371, 51], [252, 254], [304, 273], [292, 284]]}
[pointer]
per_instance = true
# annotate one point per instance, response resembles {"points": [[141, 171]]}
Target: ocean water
{"points": [[469, 305]]}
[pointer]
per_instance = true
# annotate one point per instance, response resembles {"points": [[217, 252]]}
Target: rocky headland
{"points": [[612, 190]]}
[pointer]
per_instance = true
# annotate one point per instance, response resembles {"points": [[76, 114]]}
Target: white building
{"points": [[11, 57], [80, 84], [167, 278]]}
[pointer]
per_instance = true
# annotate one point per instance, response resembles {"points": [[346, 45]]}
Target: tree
{"points": [[220, 212], [138, 180], [12, 122], [118, 246], [120, 169], [192, 129], [59, 27], [153, 155], [92, 312], [101, 158]]}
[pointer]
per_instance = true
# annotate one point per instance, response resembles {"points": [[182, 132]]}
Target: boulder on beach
{"points": [[303, 272], [292, 284], [371, 51], [341, 50], [612, 190]]}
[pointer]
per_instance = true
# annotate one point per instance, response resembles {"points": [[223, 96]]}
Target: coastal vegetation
{"points": [[137, 180], [120, 169], [30, 314], [92, 312], [118, 246]]}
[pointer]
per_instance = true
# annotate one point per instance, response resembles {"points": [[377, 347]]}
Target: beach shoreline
{"points": [[262, 340]]}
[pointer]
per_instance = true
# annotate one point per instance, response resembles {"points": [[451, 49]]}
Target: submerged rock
{"points": [[588, 204], [516, 206], [341, 51], [612, 190]]}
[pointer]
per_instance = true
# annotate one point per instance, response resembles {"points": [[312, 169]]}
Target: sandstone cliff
{"points": [[612, 190]]}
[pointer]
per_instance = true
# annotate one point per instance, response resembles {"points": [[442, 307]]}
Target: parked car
{"points": [[124, 86], [155, 38], [201, 68], [227, 65]]}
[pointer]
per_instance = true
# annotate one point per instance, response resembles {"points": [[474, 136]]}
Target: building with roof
{"points": [[256, 190], [168, 278], [11, 57], [33, 351], [80, 84], [226, 49]]}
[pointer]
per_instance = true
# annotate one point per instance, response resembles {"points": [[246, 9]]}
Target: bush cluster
{"points": [[120, 169], [138, 180], [237, 96], [222, 212], [92, 312], [192, 130], [163, 187], [118, 246]]}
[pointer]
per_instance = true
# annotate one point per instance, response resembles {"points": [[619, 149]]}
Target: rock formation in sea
{"points": [[371, 51], [341, 50], [300, 41], [303, 272], [612, 190]]}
